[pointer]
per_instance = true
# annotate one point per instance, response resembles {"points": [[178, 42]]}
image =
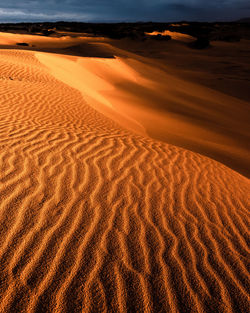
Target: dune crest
{"points": [[148, 100], [89, 76], [96, 218]]}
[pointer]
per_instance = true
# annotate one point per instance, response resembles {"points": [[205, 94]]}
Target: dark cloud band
{"points": [[121, 10]]}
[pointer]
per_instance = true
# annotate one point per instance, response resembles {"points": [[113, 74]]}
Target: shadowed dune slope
{"points": [[95, 218], [148, 100]]}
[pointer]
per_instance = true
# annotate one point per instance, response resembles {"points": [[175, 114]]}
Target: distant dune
{"points": [[99, 215]]}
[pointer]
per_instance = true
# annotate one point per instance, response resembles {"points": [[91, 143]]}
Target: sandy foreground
{"points": [[105, 204]]}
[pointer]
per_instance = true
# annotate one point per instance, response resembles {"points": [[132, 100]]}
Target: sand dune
{"points": [[95, 217], [41, 41], [151, 97], [149, 101], [174, 35]]}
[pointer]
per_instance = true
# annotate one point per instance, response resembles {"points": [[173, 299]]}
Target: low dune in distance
{"points": [[105, 204], [174, 35]]}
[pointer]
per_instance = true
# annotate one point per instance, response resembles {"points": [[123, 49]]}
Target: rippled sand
{"points": [[99, 217]]}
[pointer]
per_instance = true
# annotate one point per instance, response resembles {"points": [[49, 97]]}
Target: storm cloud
{"points": [[122, 10]]}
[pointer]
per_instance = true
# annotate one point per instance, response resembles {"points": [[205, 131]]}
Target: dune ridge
{"points": [[96, 218], [149, 101]]}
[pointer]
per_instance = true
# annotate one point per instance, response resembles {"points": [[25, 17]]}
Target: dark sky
{"points": [[122, 10]]}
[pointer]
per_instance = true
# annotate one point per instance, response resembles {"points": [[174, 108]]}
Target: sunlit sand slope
{"points": [[150, 101], [94, 218]]}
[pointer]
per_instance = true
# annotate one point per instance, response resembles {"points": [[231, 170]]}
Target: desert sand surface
{"points": [[105, 204], [170, 96]]}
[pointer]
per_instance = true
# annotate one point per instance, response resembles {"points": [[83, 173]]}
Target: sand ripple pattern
{"points": [[96, 219]]}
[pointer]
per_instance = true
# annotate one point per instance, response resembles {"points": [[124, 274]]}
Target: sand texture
{"points": [[98, 216]]}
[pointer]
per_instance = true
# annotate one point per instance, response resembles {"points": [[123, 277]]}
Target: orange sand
{"points": [[98, 216], [174, 35]]}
